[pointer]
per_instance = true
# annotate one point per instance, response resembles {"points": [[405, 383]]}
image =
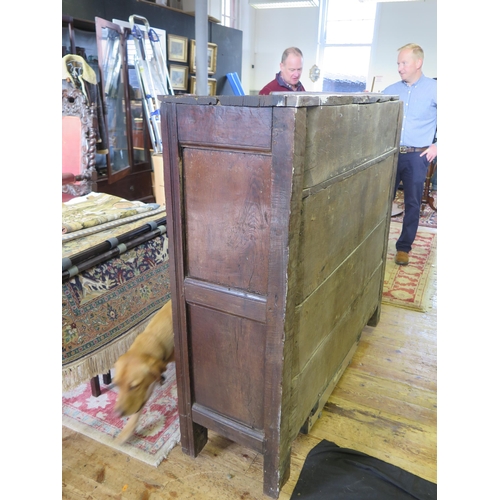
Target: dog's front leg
{"points": [[129, 428]]}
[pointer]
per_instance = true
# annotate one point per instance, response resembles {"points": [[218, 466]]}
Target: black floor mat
{"points": [[331, 472]]}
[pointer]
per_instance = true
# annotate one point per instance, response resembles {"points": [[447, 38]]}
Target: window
{"points": [[346, 35], [229, 12]]}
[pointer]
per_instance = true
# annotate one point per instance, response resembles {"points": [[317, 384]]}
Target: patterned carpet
{"points": [[410, 286], [428, 218], [158, 428]]}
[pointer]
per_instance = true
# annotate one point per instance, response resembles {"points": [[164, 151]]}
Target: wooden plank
{"points": [[409, 350], [318, 408], [115, 475], [339, 290], [225, 126], [237, 347], [277, 367], [403, 371], [227, 207], [336, 219], [423, 366], [393, 439], [322, 364], [232, 429], [234, 301], [334, 126], [425, 345], [193, 436], [392, 397]]}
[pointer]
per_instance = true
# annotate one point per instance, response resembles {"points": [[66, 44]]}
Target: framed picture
{"points": [[178, 77], [212, 86], [177, 48], [212, 58]]}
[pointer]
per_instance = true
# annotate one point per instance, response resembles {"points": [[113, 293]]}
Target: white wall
{"points": [[397, 24], [277, 29], [267, 32], [273, 31]]}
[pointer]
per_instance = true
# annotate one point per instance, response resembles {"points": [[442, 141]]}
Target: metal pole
{"points": [[201, 36]]}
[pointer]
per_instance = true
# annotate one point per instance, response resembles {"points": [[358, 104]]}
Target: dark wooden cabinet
{"points": [[124, 166], [278, 216], [79, 22], [136, 185]]}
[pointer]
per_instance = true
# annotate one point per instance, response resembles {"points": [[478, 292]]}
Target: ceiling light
{"points": [[384, 1], [282, 4]]}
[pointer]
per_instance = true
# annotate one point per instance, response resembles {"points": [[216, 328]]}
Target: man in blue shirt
{"points": [[417, 150]]}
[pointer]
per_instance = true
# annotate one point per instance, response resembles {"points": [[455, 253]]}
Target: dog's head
{"points": [[134, 376]]}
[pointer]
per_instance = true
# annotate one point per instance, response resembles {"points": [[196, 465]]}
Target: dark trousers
{"points": [[412, 171]]}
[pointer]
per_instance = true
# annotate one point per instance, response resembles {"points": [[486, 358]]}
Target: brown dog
{"points": [[141, 367]]}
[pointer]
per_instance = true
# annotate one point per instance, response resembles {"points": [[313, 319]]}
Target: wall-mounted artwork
{"points": [[179, 77], [177, 48], [212, 58], [212, 86]]}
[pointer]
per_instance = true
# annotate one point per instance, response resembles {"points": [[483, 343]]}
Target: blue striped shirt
{"points": [[419, 110]]}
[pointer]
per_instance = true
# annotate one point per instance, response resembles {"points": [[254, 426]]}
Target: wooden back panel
{"points": [[228, 195]]}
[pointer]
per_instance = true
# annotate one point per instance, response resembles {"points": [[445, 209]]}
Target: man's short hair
{"points": [[417, 51], [291, 50]]}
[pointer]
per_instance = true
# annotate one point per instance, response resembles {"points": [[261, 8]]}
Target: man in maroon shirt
{"points": [[288, 79]]}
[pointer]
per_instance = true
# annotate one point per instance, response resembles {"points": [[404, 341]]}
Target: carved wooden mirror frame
{"points": [[74, 103]]}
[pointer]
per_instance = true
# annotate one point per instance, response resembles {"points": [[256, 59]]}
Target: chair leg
{"points": [[94, 385], [106, 378], [427, 199]]}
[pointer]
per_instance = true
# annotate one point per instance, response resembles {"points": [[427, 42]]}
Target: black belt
{"points": [[410, 149]]}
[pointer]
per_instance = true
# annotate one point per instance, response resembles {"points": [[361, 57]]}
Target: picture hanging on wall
{"points": [[212, 58], [179, 77], [177, 48], [212, 86]]}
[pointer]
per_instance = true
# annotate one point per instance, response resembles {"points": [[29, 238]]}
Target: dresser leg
{"points": [[276, 473], [373, 321], [193, 437]]}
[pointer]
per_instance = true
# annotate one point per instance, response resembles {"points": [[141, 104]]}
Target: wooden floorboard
{"points": [[384, 405]]}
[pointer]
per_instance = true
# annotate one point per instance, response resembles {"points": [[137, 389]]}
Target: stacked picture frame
{"points": [[182, 76], [177, 49]]}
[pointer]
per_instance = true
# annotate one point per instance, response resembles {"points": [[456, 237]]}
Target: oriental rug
{"points": [[157, 431], [105, 307], [331, 472], [410, 286], [95, 209], [428, 217]]}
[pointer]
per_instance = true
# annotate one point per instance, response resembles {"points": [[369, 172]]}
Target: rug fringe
{"points": [[101, 362], [167, 449], [136, 453]]}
